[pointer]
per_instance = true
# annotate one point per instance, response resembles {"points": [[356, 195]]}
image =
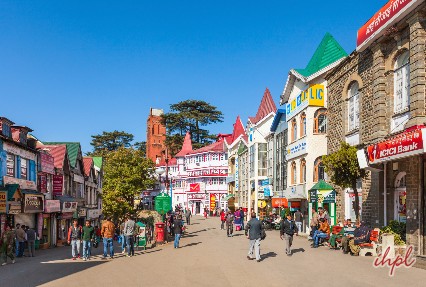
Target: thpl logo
{"points": [[392, 263]]}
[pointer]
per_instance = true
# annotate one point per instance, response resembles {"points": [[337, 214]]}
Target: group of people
{"points": [[14, 242], [231, 219]]}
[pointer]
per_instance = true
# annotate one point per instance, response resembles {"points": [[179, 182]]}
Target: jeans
{"points": [[130, 245], [317, 235], [177, 237], [288, 241], [75, 246], [299, 226], [188, 220], [123, 243], [31, 248], [242, 224], [110, 242], [16, 248], [222, 225], [21, 246], [229, 229], [87, 248], [254, 244]]}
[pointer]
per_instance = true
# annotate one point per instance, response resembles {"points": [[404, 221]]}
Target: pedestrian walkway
{"points": [[207, 257]]}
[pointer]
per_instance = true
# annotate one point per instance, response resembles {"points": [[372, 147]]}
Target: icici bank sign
{"points": [[406, 144]]}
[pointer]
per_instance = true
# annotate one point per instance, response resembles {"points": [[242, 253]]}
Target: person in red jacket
{"points": [[222, 219], [74, 238]]}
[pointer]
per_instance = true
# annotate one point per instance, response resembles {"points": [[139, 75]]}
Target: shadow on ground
{"points": [[268, 255]]}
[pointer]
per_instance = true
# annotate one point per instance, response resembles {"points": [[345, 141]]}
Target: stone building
{"points": [[155, 136], [377, 103]]}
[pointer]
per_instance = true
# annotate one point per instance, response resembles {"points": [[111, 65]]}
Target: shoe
{"points": [[249, 258], [289, 254], [112, 257], [3, 264], [84, 259], [73, 258], [78, 256], [124, 251], [258, 260], [315, 246], [345, 252]]}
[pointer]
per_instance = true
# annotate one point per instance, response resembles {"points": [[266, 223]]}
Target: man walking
{"points": [[129, 231], [18, 226], [107, 233], [177, 227], [74, 238], [242, 217], [288, 229], [88, 236], [298, 218], [314, 222], [254, 230], [229, 224], [222, 219], [31, 238], [188, 215], [7, 245]]}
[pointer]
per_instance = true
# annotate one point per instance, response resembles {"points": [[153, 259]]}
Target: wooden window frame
{"points": [[318, 113]]}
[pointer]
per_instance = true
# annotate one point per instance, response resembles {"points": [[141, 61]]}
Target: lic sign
{"points": [[313, 96]]}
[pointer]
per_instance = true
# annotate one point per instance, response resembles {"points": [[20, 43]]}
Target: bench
{"points": [[333, 230], [370, 247]]}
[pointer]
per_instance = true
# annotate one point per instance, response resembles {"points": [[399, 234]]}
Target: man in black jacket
{"points": [[254, 229], [288, 229]]}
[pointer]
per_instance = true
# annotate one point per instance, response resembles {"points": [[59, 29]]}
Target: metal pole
{"points": [[384, 196]]}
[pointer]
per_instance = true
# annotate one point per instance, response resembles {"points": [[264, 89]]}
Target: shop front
{"points": [[323, 195], [68, 213], [52, 209], [82, 214]]}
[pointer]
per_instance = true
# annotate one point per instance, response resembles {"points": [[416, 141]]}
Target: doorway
{"points": [[400, 196], [197, 207]]}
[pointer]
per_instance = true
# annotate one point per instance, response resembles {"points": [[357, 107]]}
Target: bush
{"points": [[398, 229]]}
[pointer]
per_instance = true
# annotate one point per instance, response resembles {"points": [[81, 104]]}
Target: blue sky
{"points": [[71, 69]]}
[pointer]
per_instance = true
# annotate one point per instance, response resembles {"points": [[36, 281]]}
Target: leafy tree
{"points": [[174, 143], [110, 141], [141, 146], [192, 116], [343, 168], [127, 171]]}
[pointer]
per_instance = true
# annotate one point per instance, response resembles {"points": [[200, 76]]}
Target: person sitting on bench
{"points": [[322, 232], [361, 235]]}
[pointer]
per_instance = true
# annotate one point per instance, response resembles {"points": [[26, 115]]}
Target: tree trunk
{"points": [[198, 131], [356, 205]]}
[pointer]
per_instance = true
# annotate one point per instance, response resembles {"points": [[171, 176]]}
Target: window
{"points": [[319, 170], [252, 151], [293, 173], [215, 156], [402, 83], [353, 107], [293, 130], [24, 168], [320, 121], [222, 157], [215, 180], [10, 165], [303, 125], [262, 159], [303, 170]]}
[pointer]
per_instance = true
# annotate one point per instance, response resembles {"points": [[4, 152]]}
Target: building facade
{"points": [[155, 136]]}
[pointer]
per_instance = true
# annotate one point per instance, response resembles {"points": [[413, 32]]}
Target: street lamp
{"points": [[160, 171]]}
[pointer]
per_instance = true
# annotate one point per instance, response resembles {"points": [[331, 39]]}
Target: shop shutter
{"points": [[32, 176], [27, 219]]}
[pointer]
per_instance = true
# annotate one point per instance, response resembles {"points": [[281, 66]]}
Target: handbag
{"points": [[95, 244]]}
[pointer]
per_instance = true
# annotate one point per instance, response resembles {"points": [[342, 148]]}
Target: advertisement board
{"points": [[313, 96], [58, 182]]}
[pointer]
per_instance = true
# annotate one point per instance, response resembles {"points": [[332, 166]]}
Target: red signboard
{"points": [[42, 181], [403, 145], [391, 12], [279, 202], [47, 163], [212, 202], [208, 172], [58, 182], [194, 187]]}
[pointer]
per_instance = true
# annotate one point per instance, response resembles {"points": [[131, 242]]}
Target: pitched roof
{"points": [[87, 165], [186, 147], [322, 185], [73, 149], [239, 130], [277, 119], [267, 106], [217, 146], [57, 151], [328, 52], [97, 161]]}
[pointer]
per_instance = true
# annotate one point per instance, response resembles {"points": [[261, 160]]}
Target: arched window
{"points": [[320, 121], [303, 170], [302, 124], [402, 82], [293, 173], [319, 170], [353, 107], [293, 130]]}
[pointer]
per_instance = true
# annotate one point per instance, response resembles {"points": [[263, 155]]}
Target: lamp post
{"points": [[160, 171]]}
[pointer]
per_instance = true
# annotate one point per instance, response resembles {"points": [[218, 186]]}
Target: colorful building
{"points": [[155, 136]]}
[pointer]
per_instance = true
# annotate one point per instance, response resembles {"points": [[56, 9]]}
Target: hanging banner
{"points": [[58, 182], [3, 199]]}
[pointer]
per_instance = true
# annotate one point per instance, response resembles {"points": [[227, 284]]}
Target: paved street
{"points": [[207, 258]]}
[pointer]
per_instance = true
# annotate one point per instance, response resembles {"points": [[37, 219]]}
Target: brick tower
{"points": [[155, 136]]}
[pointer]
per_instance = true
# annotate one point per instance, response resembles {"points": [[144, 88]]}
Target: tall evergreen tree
{"points": [[110, 141]]}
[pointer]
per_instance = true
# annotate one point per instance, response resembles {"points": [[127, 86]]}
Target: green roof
{"points": [[328, 52], [72, 149], [322, 185], [97, 161]]}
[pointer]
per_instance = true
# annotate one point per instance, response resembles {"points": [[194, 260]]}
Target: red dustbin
{"points": [[159, 228]]}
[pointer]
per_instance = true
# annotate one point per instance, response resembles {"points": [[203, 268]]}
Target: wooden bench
{"points": [[370, 247]]}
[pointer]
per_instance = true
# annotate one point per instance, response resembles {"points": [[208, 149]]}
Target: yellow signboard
{"points": [[3, 198], [313, 96]]}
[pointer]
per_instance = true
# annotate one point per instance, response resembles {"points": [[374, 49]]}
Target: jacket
{"points": [[229, 219], [177, 227], [254, 229], [288, 227], [324, 227], [20, 235], [222, 216], [107, 230], [31, 235], [74, 233], [361, 235], [129, 228], [88, 233]]}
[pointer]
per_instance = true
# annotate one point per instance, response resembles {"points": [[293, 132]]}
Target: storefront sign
{"points": [[295, 192], [237, 181], [3, 199], [58, 182], [390, 13], [82, 212], [212, 202], [69, 206], [16, 150], [260, 195], [194, 187], [52, 206], [403, 145], [47, 163], [279, 202], [313, 96], [42, 183], [195, 196], [93, 213], [23, 184], [33, 203], [296, 149], [208, 172], [267, 191]]}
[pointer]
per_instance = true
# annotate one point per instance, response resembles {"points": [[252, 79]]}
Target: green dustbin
{"points": [[141, 242], [37, 244]]}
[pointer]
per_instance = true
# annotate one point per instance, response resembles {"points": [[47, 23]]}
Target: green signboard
{"points": [[163, 203]]}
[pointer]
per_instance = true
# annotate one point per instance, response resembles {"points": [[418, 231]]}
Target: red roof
{"points": [[87, 165], [267, 106], [238, 131], [186, 147], [172, 161], [217, 146], [57, 151]]}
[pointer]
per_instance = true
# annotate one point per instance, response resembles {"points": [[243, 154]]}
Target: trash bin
{"points": [[37, 244], [159, 228], [141, 242]]}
